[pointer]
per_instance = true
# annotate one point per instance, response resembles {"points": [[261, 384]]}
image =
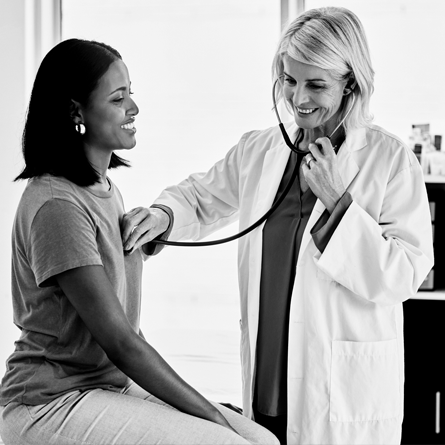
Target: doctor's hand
{"points": [[320, 170], [141, 225]]}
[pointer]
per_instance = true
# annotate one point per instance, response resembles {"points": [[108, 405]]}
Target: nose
{"points": [[133, 109], [300, 95]]}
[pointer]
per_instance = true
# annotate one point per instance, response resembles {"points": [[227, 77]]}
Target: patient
{"points": [[82, 371]]}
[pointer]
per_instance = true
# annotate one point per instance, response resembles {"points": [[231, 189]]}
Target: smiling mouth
{"points": [[129, 126], [306, 110]]}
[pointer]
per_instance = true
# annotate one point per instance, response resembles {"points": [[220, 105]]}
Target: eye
{"points": [[289, 81], [315, 87], [131, 92], [118, 100]]}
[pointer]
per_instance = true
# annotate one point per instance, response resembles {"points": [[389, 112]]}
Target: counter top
{"points": [[430, 295], [434, 179]]}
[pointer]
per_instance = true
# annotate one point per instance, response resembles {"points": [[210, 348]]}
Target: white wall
{"points": [[405, 40], [12, 113], [198, 309], [200, 72]]}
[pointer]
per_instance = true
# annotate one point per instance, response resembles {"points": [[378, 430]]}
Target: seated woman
{"points": [[82, 371]]}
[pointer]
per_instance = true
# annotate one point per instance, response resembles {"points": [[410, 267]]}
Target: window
{"points": [[201, 74], [405, 39]]}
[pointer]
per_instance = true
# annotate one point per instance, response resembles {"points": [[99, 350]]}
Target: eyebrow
{"points": [[307, 80], [119, 89]]}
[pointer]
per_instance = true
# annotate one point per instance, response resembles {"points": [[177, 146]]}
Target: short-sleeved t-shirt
{"points": [[61, 226]]}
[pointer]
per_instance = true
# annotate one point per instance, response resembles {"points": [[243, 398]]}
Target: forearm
{"points": [[204, 202], [384, 268], [154, 374]]}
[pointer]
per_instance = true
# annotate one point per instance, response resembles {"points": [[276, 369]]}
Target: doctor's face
{"points": [[313, 94]]}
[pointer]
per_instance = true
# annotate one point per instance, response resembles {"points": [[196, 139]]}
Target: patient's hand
{"points": [[141, 225]]}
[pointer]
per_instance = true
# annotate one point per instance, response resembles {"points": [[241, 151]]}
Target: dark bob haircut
{"points": [[50, 142]]}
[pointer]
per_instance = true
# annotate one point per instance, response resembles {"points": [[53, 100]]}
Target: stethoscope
{"points": [[278, 201]]}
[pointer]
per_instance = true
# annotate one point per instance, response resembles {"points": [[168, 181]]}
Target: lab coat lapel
{"points": [[348, 170], [273, 168], [272, 172]]}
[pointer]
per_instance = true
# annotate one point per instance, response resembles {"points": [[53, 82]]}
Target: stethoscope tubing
{"points": [[243, 232], [277, 202]]}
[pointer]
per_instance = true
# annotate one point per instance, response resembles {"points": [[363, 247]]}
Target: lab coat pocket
{"points": [[364, 381]]}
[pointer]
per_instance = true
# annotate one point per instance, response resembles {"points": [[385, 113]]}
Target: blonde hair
{"points": [[333, 39]]}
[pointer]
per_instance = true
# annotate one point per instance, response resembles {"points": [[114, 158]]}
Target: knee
{"points": [[267, 438]]}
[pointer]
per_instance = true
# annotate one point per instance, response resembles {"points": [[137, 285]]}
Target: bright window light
{"points": [[405, 39], [201, 75]]}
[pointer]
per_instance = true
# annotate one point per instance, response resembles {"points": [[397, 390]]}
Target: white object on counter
{"points": [[433, 163], [430, 295]]}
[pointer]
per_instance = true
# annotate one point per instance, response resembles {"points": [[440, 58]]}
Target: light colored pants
{"points": [[133, 416]]}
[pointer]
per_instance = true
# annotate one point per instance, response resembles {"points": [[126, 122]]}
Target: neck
{"points": [[99, 160], [103, 185], [311, 135], [325, 130]]}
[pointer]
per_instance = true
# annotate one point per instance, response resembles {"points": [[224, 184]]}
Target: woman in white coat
{"points": [[323, 280]]}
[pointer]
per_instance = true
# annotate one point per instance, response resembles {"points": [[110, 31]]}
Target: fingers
{"points": [[305, 169], [131, 224], [135, 235], [308, 159], [141, 225], [137, 228], [319, 152], [322, 148], [137, 241], [315, 151], [321, 172]]}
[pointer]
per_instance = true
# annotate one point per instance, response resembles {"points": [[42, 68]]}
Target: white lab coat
{"points": [[346, 356]]}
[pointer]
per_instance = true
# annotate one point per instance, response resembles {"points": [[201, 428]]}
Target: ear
{"points": [[76, 112], [350, 85]]}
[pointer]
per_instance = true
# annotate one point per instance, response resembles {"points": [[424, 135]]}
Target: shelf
{"points": [[430, 295], [434, 179]]}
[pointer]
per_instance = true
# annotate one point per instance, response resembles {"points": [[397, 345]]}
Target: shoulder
{"points": [[384, 149], [267, 138], [253, 146], [376, 138], [377, 135], [257, 143], [47, 187], [56, 195]]}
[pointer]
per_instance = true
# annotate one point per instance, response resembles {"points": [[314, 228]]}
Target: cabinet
{"points": [[424, 372], [436, 195], [424, 332]]}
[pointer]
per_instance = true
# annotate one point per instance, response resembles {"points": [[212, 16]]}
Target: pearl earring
{"points": [[80, 128]]}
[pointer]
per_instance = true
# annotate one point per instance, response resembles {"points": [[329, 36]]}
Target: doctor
{"points": [[323, 280]]}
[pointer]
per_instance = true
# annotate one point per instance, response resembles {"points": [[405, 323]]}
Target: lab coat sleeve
{"points": [[206, 202], [327, 223], [150, 248], [384, 262]]}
